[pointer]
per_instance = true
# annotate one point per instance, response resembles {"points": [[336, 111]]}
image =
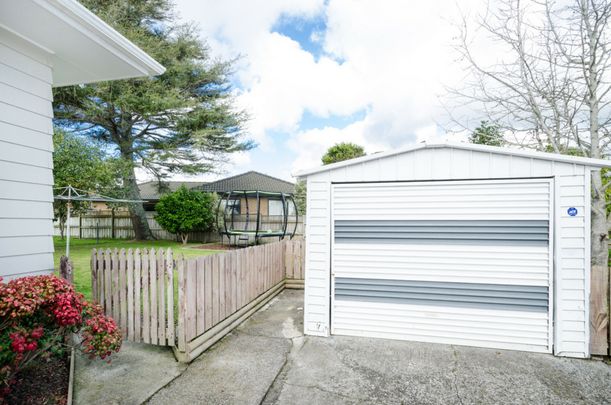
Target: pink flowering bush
{"points": [[38, 314]]}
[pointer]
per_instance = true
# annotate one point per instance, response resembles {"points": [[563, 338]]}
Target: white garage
{"points": [[452, 243]]}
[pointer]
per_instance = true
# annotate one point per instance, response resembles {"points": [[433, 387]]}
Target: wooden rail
{"points": [[211, 295]]}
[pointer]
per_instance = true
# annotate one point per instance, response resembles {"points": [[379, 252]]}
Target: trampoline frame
{"points": [[246, 194]]}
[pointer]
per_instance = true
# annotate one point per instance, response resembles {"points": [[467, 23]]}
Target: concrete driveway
{"points": [[267, 360]]}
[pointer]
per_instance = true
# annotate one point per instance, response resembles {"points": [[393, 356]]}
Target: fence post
{"points": [[65, 269], [182, 305], [112, 224], [130, 294], [94, 275], [302, 260], [137, 292], [283, 260], [169, 263], [153, 295], [146, 304]]}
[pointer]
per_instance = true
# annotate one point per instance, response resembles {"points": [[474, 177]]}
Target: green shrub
{"points": [[185, 211]]}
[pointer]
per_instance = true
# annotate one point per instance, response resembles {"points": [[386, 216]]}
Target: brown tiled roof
{"points": [[249, 181], [152, 190]]}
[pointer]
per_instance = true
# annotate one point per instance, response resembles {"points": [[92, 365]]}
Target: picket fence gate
{"points": [[191, 303], [136, 288]]}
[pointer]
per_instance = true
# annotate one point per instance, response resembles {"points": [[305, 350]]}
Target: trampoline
{"points": [[242, 219]]}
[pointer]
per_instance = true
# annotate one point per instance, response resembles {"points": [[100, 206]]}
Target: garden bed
{"points": [[45, 382], [38, 314]]}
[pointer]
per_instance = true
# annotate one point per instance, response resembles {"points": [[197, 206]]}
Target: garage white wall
{"points": [[572, 241], [26, 176]]}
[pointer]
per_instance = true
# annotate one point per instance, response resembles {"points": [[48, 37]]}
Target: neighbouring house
{"points": [[254, 207], [239, 202], [45, 44], [252, 181], [454, 243], [151, 191]]}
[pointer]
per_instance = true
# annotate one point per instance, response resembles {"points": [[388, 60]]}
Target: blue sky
{"points": [[303, 30], [313, 73]]}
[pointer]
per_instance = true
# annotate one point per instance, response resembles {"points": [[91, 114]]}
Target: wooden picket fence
{"points": [[213, 288], [136, 288], [191, 303]]}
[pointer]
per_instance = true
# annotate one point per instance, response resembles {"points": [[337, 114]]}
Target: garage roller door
{"points": [[457, 262]]}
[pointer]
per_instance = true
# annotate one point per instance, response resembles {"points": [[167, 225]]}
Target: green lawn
{"points": [[80, 254]]}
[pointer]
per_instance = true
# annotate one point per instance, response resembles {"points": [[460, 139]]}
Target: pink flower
{"points": [[37, 333], [31, 346], [55, 308]]}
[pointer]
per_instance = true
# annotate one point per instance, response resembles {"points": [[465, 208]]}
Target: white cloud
{"points": [[390, 59], [235, 27], [310, 145], [286, 80], [403, 51]]}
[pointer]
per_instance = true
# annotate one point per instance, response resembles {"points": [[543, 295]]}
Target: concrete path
{"points": [[133, 375], [241, 367], [268, 361]]}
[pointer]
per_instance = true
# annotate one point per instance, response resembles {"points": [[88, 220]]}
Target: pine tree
{"points": [[182, 121]]}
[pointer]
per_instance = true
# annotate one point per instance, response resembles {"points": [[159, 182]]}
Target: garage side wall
{"points": [[571, 183], [318, 256]]}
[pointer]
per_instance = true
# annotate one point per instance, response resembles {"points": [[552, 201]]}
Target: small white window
{"points": [[275, 208]]}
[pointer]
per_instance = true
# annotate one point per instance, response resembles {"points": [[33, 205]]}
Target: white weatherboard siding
{"points": [[26, 177], [318, 231], [45, 43], [571, 239]]}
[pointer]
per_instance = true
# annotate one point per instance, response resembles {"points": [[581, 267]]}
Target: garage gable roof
{"points": [[596, 163]]}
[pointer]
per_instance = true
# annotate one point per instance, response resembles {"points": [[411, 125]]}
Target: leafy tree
{"points": [[342, 151], [182, 121], [80, 163], [301, 196], [185, 211], [487, 134]]}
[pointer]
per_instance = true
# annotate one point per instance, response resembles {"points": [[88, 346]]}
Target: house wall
{"points": [[26, 178], [252, 205], [102, 206], [572, 238]]}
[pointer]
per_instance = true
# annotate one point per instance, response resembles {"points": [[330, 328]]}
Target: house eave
{"points": [[74, 42], [77, 15]]}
